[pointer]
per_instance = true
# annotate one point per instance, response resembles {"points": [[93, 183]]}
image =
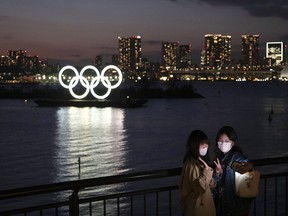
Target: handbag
{"points": [[247, 184]]}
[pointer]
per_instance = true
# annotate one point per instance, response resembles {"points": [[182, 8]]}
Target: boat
{"points": [[123, 103]]}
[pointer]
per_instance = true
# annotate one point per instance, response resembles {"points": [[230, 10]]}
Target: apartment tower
{"points": [[185, 52], [217, 51], [170, 52], [250, 51], [130, 56]]}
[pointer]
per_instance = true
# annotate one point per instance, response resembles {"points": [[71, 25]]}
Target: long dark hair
{"points": [[232, 135], [195, 138]]}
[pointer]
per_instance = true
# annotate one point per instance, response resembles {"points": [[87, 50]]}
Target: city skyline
{"points": [[74, 32]]}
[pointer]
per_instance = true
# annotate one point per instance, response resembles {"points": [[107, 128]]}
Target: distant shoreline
{"points": [[34, 91]]}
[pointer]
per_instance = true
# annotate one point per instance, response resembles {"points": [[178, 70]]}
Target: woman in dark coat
{"points": [[227, 151]]}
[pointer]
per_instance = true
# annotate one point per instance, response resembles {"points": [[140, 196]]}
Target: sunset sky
{"points": [[78, 30]]}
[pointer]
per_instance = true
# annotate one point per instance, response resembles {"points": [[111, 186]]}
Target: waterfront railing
{"points": [[143, 193]]}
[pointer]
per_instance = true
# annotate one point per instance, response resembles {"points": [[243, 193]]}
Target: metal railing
{"points": [[143, 193]]}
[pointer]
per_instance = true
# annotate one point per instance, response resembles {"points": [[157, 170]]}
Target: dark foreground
{"points": [[125, 103]]}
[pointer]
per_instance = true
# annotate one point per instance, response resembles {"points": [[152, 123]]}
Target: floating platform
{"points": [[124, 103]]}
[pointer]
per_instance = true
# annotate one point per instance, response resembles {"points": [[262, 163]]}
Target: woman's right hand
{"points": [[218, 167]]}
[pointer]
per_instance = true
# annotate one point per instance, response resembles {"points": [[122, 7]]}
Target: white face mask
{"points": [[225, 146], [203, 151]]}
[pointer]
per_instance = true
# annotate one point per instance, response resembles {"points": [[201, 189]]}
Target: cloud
{"points": [[152, 42], [107, 48], [69, 53], [4, 18], [102, 50], [257, 8], [284, 37], [6, 37], [268, 9]]}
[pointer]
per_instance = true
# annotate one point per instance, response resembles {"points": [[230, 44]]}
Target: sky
{"points": [[78, 30]]}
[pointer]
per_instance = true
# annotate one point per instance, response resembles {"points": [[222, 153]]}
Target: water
{"points": [[42, 145]]}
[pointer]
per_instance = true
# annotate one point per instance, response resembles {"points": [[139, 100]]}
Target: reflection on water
{"points": [[95, 136]]}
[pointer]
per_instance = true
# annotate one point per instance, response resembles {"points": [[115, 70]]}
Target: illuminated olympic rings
{"points": [[94, 81]]}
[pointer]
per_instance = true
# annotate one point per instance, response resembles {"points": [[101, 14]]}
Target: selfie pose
{"points": [[230, 159], [195, 192]]}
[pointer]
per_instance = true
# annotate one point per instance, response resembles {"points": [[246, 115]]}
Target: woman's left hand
{"points": [[205, 164]]}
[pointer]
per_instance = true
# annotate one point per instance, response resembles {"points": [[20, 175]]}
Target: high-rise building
{"points": [[226, 57], [20, 59], [115, 59], [185, 56], [250, 51], [217, 51], [202, 58], [30, 63], [285, 61], [170, 51], [98, 62], [16, 56], [5, 61], [130, 56]]}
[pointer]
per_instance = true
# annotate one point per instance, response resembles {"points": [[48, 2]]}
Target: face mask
{"points": [[225, 146], [203, 151]]}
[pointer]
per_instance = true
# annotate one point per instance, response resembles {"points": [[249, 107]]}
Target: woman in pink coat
{"points": [[196, 178]]}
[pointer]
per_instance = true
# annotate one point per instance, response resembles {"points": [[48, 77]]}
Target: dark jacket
{"points": [[228, 203]]}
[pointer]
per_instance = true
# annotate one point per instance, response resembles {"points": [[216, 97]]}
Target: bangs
{"points": [[205, 141]]}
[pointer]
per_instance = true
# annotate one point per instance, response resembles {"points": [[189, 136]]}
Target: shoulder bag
{"points": [[247, 184]]}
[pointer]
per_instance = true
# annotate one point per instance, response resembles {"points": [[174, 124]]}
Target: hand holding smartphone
{"points": [[242, 167], [237, 165]]}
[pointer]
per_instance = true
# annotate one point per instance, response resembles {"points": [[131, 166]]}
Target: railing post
{"points": [[74, 204]]}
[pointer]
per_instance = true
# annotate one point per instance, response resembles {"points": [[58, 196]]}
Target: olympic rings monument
{"points": [[89, 86]]}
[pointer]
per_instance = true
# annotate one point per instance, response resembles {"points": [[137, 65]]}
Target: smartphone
{"points": [[236, 165]]}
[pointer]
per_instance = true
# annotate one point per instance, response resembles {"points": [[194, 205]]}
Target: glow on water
{"points": [[95, 136]]}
